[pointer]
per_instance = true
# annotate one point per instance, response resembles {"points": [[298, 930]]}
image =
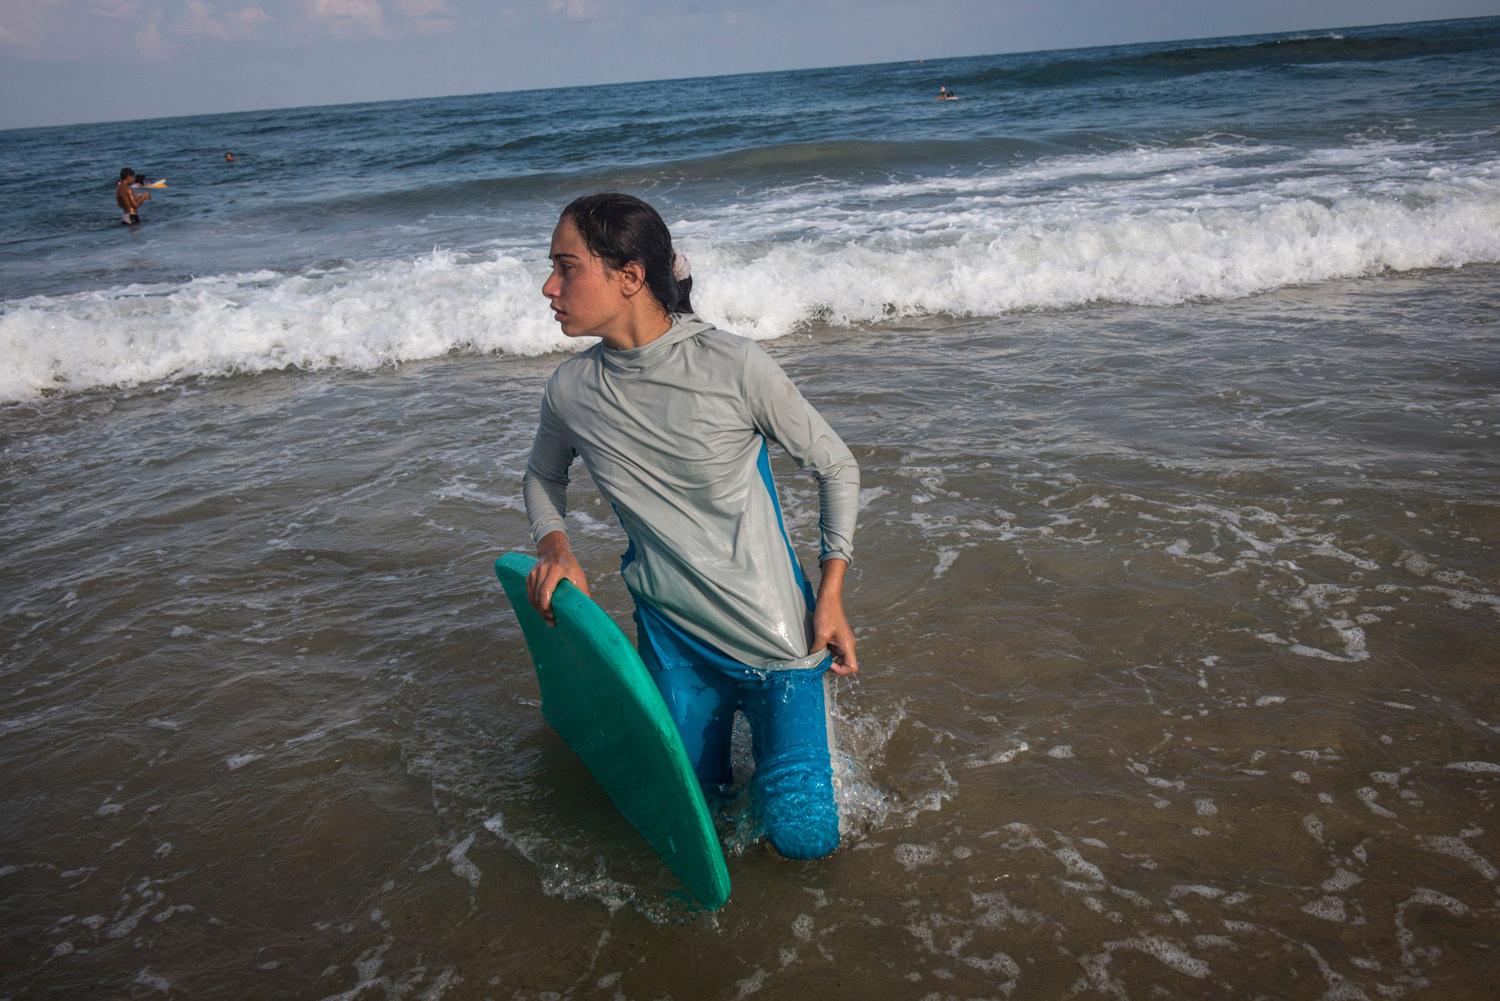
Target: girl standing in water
{"points": [[672, 417]]}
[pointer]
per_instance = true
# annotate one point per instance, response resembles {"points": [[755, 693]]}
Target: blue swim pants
{"points": [[791, 733]]}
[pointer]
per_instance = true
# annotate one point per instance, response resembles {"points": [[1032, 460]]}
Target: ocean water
{"points": [[1174, 375]]}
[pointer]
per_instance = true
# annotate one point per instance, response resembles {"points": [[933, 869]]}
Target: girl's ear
{"points": [[632, 278]]}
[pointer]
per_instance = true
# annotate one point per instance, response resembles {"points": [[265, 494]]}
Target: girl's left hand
{"points": [[831, 629]]}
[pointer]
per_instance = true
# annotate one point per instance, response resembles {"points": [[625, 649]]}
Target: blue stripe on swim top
{"points": [[763, 463]]}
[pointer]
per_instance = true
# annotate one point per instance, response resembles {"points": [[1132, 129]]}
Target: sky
{"points": [[71, 61]]}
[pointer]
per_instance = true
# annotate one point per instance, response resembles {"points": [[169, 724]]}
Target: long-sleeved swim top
{"points": [[674, 435]]}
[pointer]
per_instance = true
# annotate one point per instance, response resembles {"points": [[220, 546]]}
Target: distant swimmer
{"points": [[228, 157], [944, 94], [129, 200]]}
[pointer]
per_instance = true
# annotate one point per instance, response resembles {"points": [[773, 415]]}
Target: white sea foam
{"points": [[360, 317], [914, 856], [1167, 952], [1457, 847], [1474, 766], [1146, 226], [1327, 908], [1149, 226], [458, 858]]}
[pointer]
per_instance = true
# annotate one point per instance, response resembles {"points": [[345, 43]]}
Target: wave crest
{"points": [[1151, 226]]}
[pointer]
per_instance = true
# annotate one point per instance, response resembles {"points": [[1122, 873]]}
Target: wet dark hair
{"points": [[619, 229], [126, 172]]}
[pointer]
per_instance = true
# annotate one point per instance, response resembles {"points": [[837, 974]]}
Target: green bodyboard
{"points": [[598, 695]]}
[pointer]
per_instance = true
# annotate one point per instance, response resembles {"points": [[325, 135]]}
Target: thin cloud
{"points": [[114, 8], [577, 10], [199, 21], [424, 8], [247, 21], [152, 46], [427, 17], [161, 30], [347, 18]]}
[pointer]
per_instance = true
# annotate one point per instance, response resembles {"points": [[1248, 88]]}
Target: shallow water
{"points": [[1172, 372], [1177, 629]]}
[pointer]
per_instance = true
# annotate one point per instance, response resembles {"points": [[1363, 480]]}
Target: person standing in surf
{"points": [[128, 199], [672, 417]]}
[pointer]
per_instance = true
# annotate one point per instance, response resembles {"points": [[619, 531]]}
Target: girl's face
{"points": [[587, 299]]}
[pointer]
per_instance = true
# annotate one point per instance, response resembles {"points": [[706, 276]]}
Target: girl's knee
{"points": [[798, 810]]}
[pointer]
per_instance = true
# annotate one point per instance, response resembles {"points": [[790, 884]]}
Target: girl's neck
{"points": [[645, 323]]}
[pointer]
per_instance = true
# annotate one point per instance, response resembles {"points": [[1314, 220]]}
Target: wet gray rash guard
{"points": [[674, 435]]}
